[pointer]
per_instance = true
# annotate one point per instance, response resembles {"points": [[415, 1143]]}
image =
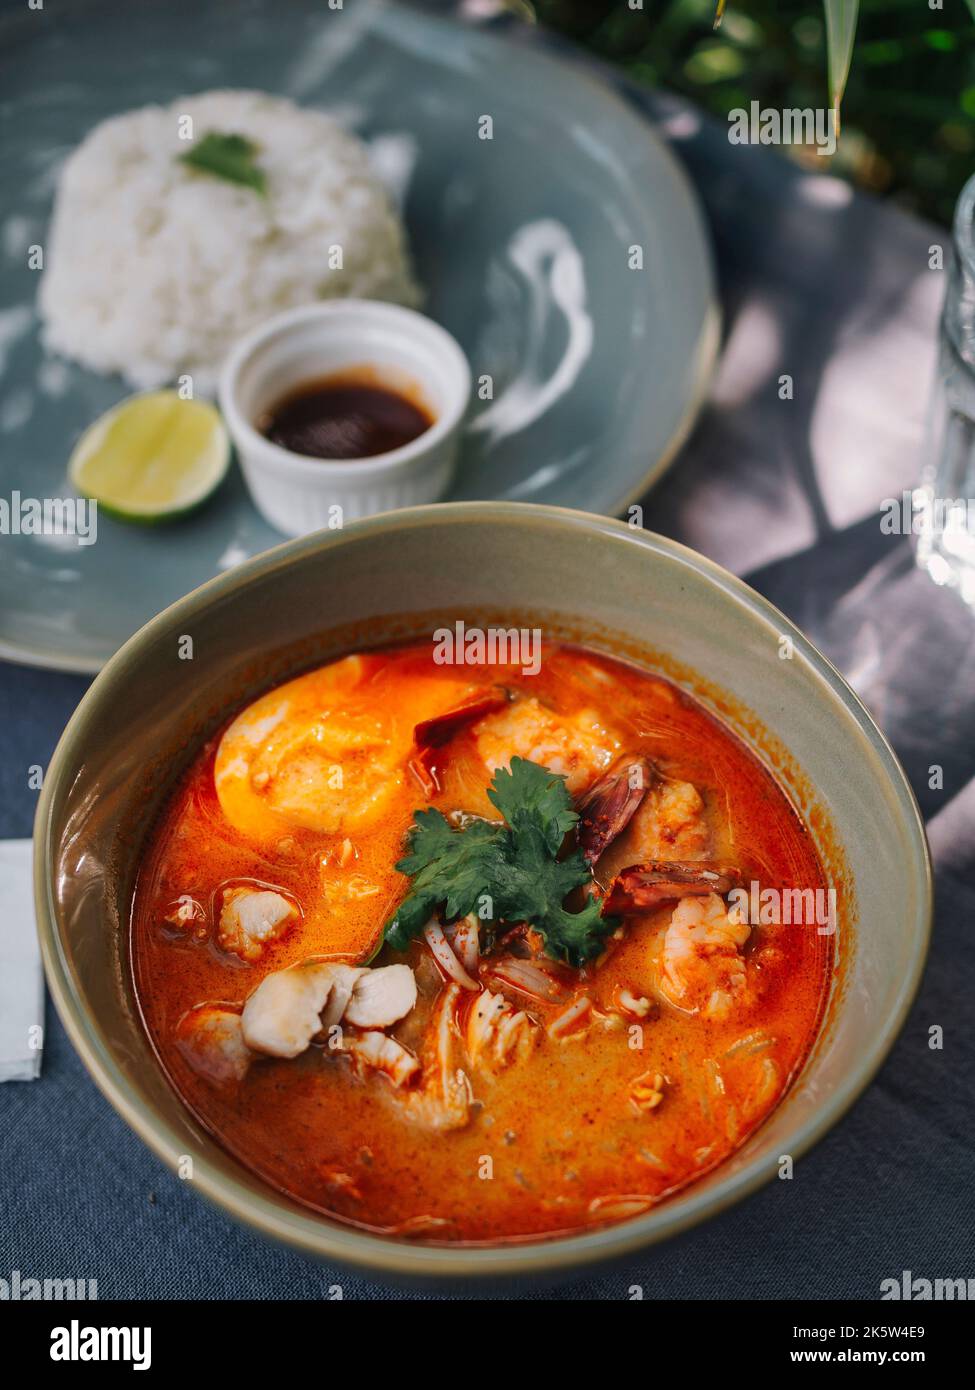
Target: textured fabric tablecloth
{"points": [[834, 290]]}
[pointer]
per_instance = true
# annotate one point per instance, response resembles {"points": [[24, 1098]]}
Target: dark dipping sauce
{"points": [[344, 418]]}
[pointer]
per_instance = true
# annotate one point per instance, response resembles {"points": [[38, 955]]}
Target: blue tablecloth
{"points": [[834, 290]]}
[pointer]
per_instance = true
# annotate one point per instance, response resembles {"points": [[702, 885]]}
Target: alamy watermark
{"points": [[916, 1290], [919, 513], [49, 516], [786, 907], [765, 125], [461, 645], [78, 1343], [19, 1288]]}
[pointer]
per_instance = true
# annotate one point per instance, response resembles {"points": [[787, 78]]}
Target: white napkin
{"points": [[21, 976]]}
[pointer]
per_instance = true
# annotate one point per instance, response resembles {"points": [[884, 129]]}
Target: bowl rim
{"points": [[382, 1255]]}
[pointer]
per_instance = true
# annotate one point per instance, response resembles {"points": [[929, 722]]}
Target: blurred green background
{"points": [[908, 116]]}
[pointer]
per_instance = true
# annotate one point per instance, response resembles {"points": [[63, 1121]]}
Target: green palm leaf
{"points": [[841, 23]]}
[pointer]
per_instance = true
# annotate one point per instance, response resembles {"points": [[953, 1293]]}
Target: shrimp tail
{"points": [[644, 887], [431, 734], [608, 807]]}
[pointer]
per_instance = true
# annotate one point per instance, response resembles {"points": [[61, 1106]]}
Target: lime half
{"points": [[153, 457]]}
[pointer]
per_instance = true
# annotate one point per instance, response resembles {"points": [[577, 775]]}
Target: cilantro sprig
{"points": [[229, 157], [515, 865]]}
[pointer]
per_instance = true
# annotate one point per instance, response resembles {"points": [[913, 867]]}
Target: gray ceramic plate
{"points": [[522, 242]]}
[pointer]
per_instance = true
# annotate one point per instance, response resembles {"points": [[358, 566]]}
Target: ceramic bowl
{"points": [[579, 577], [396, 347]]}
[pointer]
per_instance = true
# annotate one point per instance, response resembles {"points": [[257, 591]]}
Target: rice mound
{"points": [[154, 269]]}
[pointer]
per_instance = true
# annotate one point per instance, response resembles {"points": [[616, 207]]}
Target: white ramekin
{"points": [[298, 494]]}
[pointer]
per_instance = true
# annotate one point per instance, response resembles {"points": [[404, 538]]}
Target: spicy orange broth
{"points": [[566, 1148]]}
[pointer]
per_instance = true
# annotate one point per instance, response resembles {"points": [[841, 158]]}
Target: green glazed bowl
{"points": [[579, 577]]}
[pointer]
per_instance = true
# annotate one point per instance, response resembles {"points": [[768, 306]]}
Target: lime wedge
{"points": [[153, 457]]}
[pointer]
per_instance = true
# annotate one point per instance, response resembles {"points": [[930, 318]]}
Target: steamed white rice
{"points": [[153, 269]]}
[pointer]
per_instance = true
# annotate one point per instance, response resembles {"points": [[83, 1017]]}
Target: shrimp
{"points": [[667, 823], [645, 887], [430, 735], [610, 804], [671, 824], [577, 746], [702, 969], [309, 754]]}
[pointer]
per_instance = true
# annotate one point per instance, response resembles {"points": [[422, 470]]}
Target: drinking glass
{"points": [[944, 504]]}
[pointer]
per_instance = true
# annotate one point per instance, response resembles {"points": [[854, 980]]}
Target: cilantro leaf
{"points": [[447, 866], [531, 795], [516, 865], [229, 157], [532, 886]]}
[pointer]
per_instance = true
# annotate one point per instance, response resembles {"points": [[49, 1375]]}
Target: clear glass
{"points": [[944, 503]]}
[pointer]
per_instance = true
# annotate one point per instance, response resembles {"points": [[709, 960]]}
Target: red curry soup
{"points": [[469, 954]]}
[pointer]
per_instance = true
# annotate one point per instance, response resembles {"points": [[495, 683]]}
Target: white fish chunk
{"points": [[290, 1008], [344, 979], [252, 917], [211, 1039], [285, 1011], [381, 997]]}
